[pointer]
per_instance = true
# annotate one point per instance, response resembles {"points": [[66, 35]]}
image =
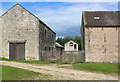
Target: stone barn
{"points": [[99, 35], [25, 36], [71, 46]]}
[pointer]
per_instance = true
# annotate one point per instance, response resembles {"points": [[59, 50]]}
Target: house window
{"points": [[71, 44], [52, 48], [45, 48], [52, 35], [45, 32], [49, 48], [96, 18], [75, 46]]}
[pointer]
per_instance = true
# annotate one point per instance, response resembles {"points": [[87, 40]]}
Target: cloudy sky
{"points": [[62, 17]]}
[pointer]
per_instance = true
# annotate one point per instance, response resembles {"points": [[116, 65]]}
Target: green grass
{"points": [[107, 68], [64, 63], [28, 61], [12, 73], [35, 61], [119, 68]]}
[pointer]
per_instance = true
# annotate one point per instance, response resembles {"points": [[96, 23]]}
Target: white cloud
{"points": [[60, 0], [65, 18], [5, 8], [60, 37]]}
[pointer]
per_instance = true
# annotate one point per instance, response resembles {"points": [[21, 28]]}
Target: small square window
{"points": [[49, 48], [45, 48], [45, 32], [96, 17], [71, 44]]}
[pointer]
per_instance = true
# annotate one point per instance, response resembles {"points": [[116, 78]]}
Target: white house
{"points": [[71, 46]]}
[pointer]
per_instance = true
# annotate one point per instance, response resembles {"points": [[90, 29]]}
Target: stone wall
{"points": [[19, 24], [46, 42], [0, 37], [119, 45], [71, 56], [101, 44]]}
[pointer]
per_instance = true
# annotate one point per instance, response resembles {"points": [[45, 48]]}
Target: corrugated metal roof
{"points": [[101, 18]]}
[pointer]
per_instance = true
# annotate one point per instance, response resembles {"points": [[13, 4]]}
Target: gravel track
{"points": [[61, 73]]}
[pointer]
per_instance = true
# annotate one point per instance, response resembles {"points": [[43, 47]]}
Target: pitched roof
{"points": [[58, 45], [101, 18], [71, 41], [31, 14]]}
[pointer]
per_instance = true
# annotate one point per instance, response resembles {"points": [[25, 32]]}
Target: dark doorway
{"points": [[17, 51], [75, 46]]}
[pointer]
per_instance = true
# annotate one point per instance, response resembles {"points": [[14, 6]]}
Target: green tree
{"points": [[59, 40], [77, 39]]}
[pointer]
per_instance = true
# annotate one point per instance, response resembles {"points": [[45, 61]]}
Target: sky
{"points": [[64, 18]]}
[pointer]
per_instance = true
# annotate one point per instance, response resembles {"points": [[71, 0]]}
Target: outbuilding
{"points": [[71, 46], [99, 36], [25, 36]]}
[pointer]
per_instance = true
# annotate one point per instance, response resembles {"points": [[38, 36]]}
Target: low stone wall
{"points": [[71, 56], [64, 56], [51, 55]]}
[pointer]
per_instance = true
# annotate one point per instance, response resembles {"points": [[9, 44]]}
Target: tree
{"points": [[62, 41], [77, 39]]}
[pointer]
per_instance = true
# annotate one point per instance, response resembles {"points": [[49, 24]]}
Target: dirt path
{"points": [[61, 73]]}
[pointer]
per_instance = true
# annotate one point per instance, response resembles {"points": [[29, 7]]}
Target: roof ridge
{"points": [[106, 18], [30, 13], [101, 11]]}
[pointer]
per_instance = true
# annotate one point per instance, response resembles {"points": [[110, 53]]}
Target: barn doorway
{"points": [[17, 50]]}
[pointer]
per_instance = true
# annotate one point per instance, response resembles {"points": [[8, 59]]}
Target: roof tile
{"points": [[106, 18]]}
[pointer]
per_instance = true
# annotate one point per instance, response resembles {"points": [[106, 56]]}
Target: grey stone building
{"points": [[99, 35], [25, 36]]}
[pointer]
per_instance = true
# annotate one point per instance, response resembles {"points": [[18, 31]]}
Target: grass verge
{"points": [[28, 61], [107, 68], [35, 61], [13, 73]]}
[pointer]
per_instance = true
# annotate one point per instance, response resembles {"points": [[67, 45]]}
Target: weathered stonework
{"points": [[0, 38], [86, 46], [102, 44], [119, 45], [20, 24], [99, 31]]}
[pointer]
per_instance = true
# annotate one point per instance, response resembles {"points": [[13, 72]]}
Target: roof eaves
{"points": [[31, 14], [8, 10], [38, 19], [47, 26], [103, 26]]}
